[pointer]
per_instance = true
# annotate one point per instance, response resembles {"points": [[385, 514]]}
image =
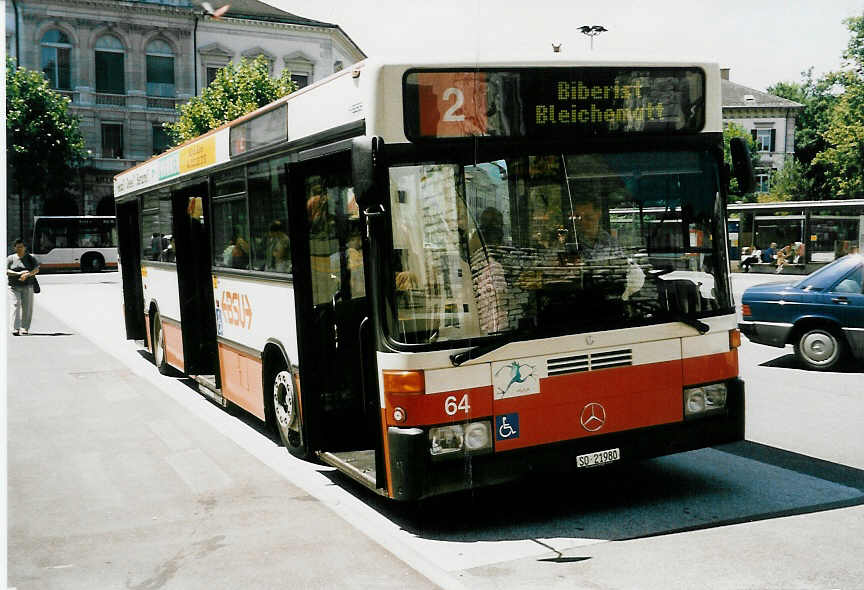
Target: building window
{"points": [[764, 139], [161, 140], [56, 60], [300, 80], [160, 69], [763, 180], [112, 140], [110, 66], [212, 72]]}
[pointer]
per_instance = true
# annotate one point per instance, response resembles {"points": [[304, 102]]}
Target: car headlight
{"points": [[472, 437], [704, 399]]}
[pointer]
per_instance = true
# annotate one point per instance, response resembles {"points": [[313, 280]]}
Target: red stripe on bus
{"points": [[440, 408], [711, 367], [631, 397], [173, 345], [386, 441], [241, 379], [147, 336]]}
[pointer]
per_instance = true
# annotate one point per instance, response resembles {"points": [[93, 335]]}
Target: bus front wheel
{"points": [[286, 413], [158, 341]]}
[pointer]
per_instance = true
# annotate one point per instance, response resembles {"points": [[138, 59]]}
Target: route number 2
{"points": [[450, 114], [451, 407]]}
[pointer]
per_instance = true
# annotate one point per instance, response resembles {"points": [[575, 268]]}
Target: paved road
{"points": [[745, 515]]}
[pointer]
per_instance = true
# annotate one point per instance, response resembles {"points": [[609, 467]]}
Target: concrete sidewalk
{"points": [[113, 485]]}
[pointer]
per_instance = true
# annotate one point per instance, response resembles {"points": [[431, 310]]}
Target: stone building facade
{"points": [[769, 118], [126, 66]]}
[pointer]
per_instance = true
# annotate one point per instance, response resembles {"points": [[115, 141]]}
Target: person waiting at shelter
{"points": [[750, 255], [770, 253]]}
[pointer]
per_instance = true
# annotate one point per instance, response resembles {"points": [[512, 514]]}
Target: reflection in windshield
{"points": [[552, 244]]}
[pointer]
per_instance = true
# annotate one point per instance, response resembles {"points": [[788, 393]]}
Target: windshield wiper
{"points": [[700, 326], [478, 351]]}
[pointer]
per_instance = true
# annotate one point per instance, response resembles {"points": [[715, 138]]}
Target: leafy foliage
{"points": [[238, 89], [43, 140], [844, 157], [829, 136]]}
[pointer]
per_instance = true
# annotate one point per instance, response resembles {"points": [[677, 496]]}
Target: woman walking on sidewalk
{"points": [[21, 270]]}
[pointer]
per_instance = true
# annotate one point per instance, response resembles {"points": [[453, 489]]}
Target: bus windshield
{"points": [[551, 244]]}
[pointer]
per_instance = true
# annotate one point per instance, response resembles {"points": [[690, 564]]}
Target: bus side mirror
{"points": [[742, 165], [366, 167]]}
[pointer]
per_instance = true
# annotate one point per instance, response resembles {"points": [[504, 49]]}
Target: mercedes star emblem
{"points": [[593, 417]]}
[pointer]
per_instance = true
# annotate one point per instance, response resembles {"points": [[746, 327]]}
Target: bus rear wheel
{"points": [[286, 413], [92, 262]]}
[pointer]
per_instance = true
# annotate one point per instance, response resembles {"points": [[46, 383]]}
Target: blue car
{"points": [[821, 315]]}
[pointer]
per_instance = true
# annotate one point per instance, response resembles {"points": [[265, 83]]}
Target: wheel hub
{"points": [[283, 400], [819, 347]]}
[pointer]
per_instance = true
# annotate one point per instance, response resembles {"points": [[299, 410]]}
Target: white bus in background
{"points": [[71, 242]]}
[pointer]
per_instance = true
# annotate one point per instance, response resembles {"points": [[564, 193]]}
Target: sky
{"points": [[761, 41]]}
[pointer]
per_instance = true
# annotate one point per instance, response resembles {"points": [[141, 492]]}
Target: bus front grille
{"points": [[589, 362]]}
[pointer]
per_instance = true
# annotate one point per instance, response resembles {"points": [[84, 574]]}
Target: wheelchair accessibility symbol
{"points": [[507, 426]]}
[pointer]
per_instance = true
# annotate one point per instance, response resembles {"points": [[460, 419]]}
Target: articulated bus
{"points": [[70, 242], [438, 276]]}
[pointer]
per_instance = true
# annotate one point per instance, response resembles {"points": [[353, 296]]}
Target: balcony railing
{"points": [[70, 94], [115, 100], [161, 103]]}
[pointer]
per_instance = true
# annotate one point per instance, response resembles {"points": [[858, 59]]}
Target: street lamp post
{"points": [[592, 31]]}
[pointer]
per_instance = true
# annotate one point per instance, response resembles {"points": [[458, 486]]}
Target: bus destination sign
{"points": [[553, 102]]}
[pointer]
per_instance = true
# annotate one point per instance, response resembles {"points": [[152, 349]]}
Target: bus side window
{"points": [[268, 211]]}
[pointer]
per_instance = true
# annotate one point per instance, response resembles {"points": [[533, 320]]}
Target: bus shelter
{"points": [[828, 229]]}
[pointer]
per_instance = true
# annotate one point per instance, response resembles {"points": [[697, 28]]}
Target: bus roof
{"points": [[368, 95]]}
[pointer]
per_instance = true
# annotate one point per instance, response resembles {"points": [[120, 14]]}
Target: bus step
{"points": [[358, 465], [207, 387]]}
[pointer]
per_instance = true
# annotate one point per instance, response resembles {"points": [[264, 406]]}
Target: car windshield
{"points": [[828, 274], [553, 244]]}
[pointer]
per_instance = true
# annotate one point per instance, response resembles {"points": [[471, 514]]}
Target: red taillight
{"points": [[734, 339], [745, 309], [410, 382]]}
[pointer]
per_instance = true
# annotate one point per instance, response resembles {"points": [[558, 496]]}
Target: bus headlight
{"points": [[478, 436], [704, 398], [472, 437]]}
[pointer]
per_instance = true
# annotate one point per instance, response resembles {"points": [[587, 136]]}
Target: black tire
{"points": [[285, 411], [157, 342], [820, 348], [92, 262]]}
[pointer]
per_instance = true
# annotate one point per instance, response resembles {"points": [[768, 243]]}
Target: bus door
{"points": [[194, 281], [129, 248], [336, 348]]}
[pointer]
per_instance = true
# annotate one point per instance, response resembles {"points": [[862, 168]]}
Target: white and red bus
{"points": [[440, 276], [75, 242]]}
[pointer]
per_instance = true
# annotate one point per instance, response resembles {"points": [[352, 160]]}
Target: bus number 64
{"points": [[451, 407]]}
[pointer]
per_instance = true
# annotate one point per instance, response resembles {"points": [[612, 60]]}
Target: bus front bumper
{"points": [[416, 476]]}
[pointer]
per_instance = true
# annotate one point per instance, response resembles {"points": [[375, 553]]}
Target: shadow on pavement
{"points": [[788, 361], [730, 484]]}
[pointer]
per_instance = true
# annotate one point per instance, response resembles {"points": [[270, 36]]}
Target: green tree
{"points": [[818, 97], [238, 89], [43, 140], [791, 183], [729, 131], [843, 157]]}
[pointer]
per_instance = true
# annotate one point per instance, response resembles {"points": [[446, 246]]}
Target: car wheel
{"points": [[158, 342], [286, 412], [819, 348]]}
